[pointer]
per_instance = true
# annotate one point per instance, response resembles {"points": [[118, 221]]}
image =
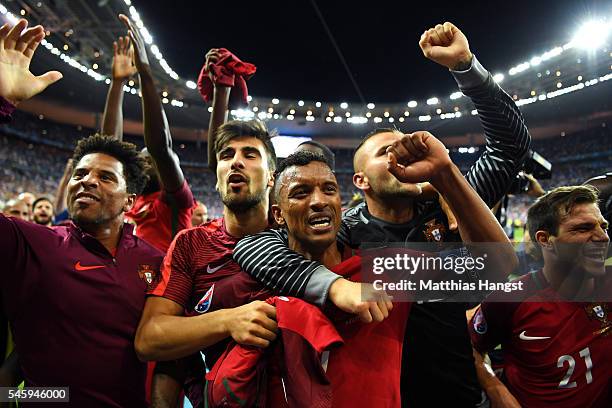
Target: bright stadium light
{"points": [[371, 105], [498, 77], [592, 34], [412, 104], [433, 101]]}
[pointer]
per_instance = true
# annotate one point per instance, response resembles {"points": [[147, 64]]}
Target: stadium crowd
{"points": [[270, 288]]}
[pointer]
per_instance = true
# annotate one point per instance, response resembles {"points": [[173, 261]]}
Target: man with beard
{"points": [[556, 337], [174, 324], [165, 205], [436, 334], [42, 211], [73, 295]]}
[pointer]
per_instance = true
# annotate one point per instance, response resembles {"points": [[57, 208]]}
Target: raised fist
{"points": [[417, 157], [446, 45]]}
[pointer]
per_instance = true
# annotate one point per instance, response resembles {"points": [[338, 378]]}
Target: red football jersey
{"points": [[365, 371], [556, 353], [159, 216]]}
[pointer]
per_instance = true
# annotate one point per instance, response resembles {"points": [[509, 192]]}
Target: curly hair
{"points": [[134, 164]]}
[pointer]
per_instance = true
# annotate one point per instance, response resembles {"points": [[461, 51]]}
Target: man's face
{"points": [[19, 209], [371, 173], [582, 239], [309, 204], [199, 216], [243, 175], [97, 191], [43, 213]]}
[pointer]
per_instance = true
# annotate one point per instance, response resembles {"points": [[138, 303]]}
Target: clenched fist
{"points": [[354, 297], [418, 157], [446, 45]]}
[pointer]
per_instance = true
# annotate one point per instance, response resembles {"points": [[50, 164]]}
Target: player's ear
{"points": [[276, 213], [129, 202], [271, 179], [542, 238], [361, 181]]}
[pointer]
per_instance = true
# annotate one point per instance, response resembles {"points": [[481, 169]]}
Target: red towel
{"points": [[229, 70]]}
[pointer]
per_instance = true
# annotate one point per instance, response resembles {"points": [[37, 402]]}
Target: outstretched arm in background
{"points": [[122, 69], [156, 129], [60, 194]]}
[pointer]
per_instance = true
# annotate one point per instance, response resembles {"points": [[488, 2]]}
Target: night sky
{"points": [[379, 40]]}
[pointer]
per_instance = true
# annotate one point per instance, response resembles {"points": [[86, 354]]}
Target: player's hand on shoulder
{"points": [[360, 299], [254, 324]]}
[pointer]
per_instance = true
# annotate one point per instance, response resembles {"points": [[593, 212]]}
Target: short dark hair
{"points": [[326, 151], [39, 199], [368, 137], [250, 128], [548, 211], [134, 164], [299, 159]]}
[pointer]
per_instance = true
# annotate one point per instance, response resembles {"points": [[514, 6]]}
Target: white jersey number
{"points": [[584, 353]]}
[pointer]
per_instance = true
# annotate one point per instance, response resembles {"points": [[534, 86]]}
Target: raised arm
{"points": [[122, 69], [156, 129], [60, 193], [220, 105], [507, 138]]}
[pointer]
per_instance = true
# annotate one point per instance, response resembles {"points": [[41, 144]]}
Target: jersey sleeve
{"points": [[177, 274], [491, 325], [181, 198], [12, 246], [507, 139], [267, 258]]}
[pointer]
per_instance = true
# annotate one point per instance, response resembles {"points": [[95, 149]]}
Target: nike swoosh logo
{"points": [[216, 268], [523, 336], [80, 267]]}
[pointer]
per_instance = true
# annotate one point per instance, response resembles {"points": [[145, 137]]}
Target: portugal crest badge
{"points": [[147, 273], [434, 231], [599, 311]]}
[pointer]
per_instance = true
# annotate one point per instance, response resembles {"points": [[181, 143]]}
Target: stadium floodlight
{"points": [[344, 105], [592, 34], [498, 77], [275, 101], [433, 101], [412, 104], [371, 105], [300, 103], [456, 95]]}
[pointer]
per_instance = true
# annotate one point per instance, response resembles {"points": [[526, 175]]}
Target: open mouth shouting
{"points": [[236, 180]]}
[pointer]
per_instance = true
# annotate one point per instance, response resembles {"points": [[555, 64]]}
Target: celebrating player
{"points": [[556, 350], [73, 295], [436, 337]]}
